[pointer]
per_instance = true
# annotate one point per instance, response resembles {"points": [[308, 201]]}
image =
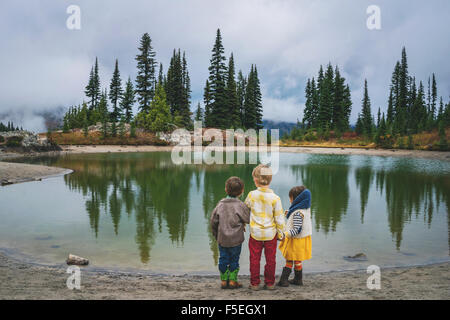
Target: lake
{"points": [[139, 211]]}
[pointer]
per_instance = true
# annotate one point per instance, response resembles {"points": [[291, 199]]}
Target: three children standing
{"points": [[268, 225]]}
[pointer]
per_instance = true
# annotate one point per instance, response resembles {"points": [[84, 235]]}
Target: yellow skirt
{"points": [[296, 249]]}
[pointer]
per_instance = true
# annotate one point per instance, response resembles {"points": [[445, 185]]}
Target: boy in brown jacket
{"points": [[228, 226]]}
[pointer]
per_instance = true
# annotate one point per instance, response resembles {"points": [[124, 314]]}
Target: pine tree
{"points": [[440, 114], [326, 98], [253, 105], [217, 76], [341, 103], [186, 113], [174, 86], [145, 80], [378, 118], [115, 93], [207, 102], [308, 112], [390, 109], [199, 114], [347, 108], [96, 84], [381, 130], [241, 87], [366, 115], [178, 89], [433, 97], [127, 101], [90, 90], [418, 112], [233, 105]]}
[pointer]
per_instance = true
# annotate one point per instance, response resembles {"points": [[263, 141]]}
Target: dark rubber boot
{"points": [[298, 278], [284, 277]]}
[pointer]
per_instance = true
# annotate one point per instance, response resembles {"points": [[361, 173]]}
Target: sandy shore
{"points": [[337, 151], [25, 281], [19, 172]]}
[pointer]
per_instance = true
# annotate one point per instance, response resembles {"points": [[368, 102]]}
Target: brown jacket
{"points": [[228, 220]]}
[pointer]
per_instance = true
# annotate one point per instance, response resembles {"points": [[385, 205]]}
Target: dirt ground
{"points": [[21, 280]]}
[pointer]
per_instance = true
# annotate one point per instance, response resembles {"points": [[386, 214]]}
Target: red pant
{"points": [[270, 251]]}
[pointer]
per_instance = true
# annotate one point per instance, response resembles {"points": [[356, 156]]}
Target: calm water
{"points": [[139, 211]]}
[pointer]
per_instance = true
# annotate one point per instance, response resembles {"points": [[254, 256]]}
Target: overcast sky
{"points": [[43, 64]]}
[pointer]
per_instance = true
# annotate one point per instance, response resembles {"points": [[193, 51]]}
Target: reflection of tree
{"points": [[364, 176], [327, 178], [149, 186], [423, 194]]}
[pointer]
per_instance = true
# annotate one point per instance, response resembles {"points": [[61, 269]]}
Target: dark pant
{"points": [[270, 250], [229, 258]]}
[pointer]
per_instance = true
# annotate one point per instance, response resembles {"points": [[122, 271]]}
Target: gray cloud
{"points": [[44, 65]]}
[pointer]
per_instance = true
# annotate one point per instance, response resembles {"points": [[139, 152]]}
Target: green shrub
{"points": [[2, 139]]}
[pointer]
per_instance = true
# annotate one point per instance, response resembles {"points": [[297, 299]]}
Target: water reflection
{"points": [[327, 178]]}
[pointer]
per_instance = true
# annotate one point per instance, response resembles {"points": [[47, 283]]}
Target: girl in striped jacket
{"points": [[296, 243]]}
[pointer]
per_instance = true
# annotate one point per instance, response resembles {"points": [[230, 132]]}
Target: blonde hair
{"points": [[263, 174]]}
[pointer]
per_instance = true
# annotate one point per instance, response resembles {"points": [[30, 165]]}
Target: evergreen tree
{"points": [[240, 90], [90, 90], [390, 110], [440, 114], [366, 115], [253, 103], [433, 97], [381, 130], [145, 80], [378, 118], [127, 101], [233, 104], [308, 112], [97, 87], [186, 113], [178, 89], [326, 98], [207, 102], [217, 75], [199, 114], [115, 93], [159, 117], [338, 112], [419, 112]]}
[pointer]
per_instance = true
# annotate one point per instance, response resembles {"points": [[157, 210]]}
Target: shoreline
{"points": [[80, 149], [21, 280]]}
